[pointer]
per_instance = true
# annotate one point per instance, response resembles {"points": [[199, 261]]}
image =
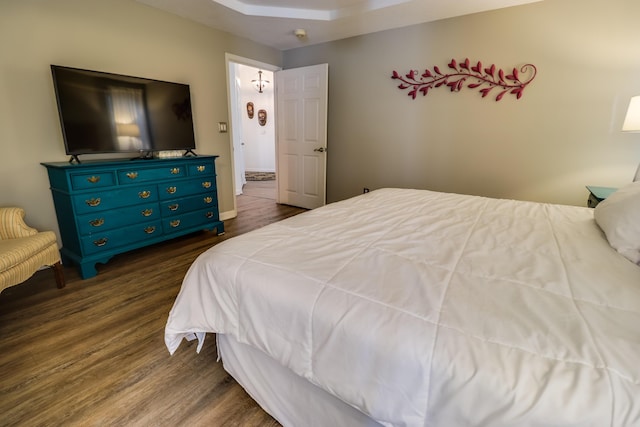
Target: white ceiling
{"points": [[272, 22]]}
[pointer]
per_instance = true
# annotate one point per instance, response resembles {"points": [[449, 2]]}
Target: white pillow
{"points": [[619, 217]]}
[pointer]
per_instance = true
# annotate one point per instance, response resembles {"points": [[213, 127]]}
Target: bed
{"points": [[405, 307]]}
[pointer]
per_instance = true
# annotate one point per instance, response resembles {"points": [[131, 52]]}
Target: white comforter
{"points": [[429, 309]]}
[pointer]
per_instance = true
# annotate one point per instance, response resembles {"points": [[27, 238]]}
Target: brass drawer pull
{"points": [[175, 171], [93, 202], [144, 194], [208, 199], [209, 214], [174, 207], [206, 184], [97, 222], [175, 223], [132, 175], [171, 190], [147, 212], [93, 179], [150, 229], [201, 168], [100, 242]]}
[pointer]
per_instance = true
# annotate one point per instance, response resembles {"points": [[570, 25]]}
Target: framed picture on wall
{"points": [[250, 109]]}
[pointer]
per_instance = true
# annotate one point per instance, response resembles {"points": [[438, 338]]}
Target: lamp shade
{"points": [[632, 119]]}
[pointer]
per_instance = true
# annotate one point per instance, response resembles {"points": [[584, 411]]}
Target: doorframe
{"points": [[231, 58]]}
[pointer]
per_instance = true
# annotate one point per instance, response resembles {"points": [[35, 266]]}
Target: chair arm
{"points": [[12, 224]]}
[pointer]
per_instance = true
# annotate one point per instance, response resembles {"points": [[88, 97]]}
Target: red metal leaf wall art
{"points": [[471, 76]]}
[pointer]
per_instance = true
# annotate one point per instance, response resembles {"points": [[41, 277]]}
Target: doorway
{"points": [[301, 135], [252, 108]]}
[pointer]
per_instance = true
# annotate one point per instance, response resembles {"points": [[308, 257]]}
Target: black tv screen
{"points": [[112, 113]]}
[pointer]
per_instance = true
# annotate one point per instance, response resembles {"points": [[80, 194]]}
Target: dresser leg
{"points": [[88, 270]]}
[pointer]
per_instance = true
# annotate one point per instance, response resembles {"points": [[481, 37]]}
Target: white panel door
{"points": [[301, 133]]}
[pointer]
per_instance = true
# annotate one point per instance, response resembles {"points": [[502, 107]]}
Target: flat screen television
{"points": [[111, 113]]}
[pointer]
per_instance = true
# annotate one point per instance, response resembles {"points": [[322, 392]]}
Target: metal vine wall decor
{"points": [[473, 76]]}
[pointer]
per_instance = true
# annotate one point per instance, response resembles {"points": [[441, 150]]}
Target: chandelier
{"points": [[259, 83]]}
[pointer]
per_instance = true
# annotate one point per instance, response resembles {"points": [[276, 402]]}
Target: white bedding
{"points": [[431, 309]]}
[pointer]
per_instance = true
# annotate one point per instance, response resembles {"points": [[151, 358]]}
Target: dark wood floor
{"points": [[93, 353]]}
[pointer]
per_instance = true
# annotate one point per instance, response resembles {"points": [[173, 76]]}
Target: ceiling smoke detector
{"points": [[300, 33]]}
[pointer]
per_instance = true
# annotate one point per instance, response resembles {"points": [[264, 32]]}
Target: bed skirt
{"points": [[290, 399]]}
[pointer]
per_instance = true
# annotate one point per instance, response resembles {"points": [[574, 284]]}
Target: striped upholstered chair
{"points": [[24, 250]]}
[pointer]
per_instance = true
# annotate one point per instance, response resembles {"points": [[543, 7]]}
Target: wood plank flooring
{"points": [[93, 353]]}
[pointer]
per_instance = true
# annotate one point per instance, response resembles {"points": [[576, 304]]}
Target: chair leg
{"points": [[59, 273]]}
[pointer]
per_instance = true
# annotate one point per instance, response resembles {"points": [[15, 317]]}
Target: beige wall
{"points": [[118, 36], [562, 134]]}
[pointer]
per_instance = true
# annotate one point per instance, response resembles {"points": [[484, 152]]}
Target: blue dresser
{"points": [[108, 207]]}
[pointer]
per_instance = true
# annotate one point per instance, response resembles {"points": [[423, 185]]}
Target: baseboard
{"points": [[228, 215]]}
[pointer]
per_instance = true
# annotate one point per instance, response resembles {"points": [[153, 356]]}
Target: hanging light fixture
{"points": [[259, 83]]}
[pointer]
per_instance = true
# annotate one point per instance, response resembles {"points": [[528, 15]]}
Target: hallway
{"points": [[261, 189]]}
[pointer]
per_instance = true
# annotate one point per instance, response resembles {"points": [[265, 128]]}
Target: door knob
{"points": [[320, 150]]}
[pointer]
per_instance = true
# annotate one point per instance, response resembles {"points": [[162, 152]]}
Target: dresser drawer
{"points": [[189, 220], [184, 188], [142, 174], [200, 169], [85, 181], [117, 197], [188, 204], [106, 220], [107, 240]]}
